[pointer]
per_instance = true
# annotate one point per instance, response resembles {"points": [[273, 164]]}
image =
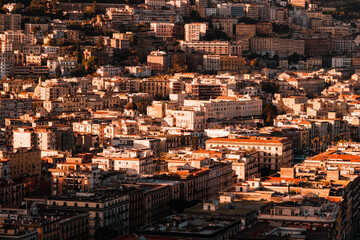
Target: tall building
{"points": [[158, 61], [195, 31], [23, 162], [10, 22], [74, 175], [107, 208]]}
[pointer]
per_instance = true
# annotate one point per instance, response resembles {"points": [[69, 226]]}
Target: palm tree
{"points": [[315, 142]]}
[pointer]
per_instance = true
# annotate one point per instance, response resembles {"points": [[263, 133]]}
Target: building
{"points": [[206, 47], [50, 224], [139, 71], [107, 208], [162, 30], [274, 152], [245, 30], [10, 22], [195, 31], [281, 46], [78, 174], [14, 108], [158, 61], [23, 162]]}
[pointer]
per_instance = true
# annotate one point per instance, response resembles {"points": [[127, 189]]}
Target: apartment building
{"points": [[107, 208], [14, 108], [159, 61], [245, 30], [195, 31], [162, 30], [23, 161], [120, 16], [203, 91], [299, 3], [227, 107], [155, 3], [206, 47], [51, 90], [282, 46], [310, 84], [231, 63], [43, 138], [13, 40], [274, 152], [188, 119], [154, 86], [225, 25], [10, 22], [74, 175], [137, 163], [139, 71]]}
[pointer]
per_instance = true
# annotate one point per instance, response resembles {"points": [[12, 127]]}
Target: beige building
{"points": [[10, 22], [162, 30], [158, 61], [247, 30], [206, 47], [195, 31], [188, 119], [282, 46], [107, 209], [274, 153], [226, 25], [23, 161]]}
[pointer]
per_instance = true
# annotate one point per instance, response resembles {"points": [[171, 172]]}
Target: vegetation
{"points": [[270, 87], [269, 114]]}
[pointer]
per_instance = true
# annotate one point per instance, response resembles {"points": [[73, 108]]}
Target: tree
{"points": [[90, 65], [100, 43], [51, 42], [195, 143], [315, 141], [91, 11], [270, 87], [269, 114]]}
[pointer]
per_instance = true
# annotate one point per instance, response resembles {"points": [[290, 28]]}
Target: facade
{"points": [[163, 30], [158, 61], [274, 153], [24, 161], [281, 46], [10, 22], [206, 47], [195, 31], [74, 175], [107, 209]]}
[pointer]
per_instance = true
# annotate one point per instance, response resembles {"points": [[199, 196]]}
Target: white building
{"points": [[189, 119], [194, 31], [211, 62], [108, 70], [139, 71]]}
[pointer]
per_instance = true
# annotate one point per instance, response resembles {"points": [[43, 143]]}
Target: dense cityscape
{"points": [[179, 119]]}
